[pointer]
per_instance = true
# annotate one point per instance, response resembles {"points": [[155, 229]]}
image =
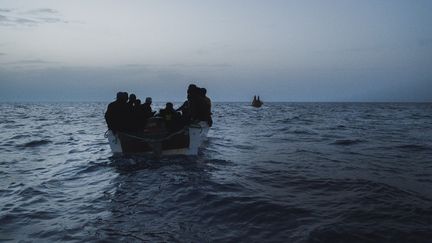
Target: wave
{"points": [[19, 136], [413, 147], [92, 167], [35, 143], [346, 142]]}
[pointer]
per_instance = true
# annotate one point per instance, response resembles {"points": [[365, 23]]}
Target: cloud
{"points": [[32, 17], [202, 65], [2, 54], [179, 65], [28, 62], [24, 21], [32, 61], [5, 21], [52, 20], [43, 11]]}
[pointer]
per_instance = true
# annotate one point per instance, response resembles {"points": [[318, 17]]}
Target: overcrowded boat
{"points": [[136, 129]]}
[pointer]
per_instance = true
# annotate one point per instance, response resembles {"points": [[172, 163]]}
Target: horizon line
{"points": [[217, 101]]}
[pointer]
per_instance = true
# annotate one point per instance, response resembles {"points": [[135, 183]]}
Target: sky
{"points": [[305, 50]]}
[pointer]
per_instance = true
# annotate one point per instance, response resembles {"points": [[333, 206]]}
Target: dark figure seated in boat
{"points": [[171, 117]]}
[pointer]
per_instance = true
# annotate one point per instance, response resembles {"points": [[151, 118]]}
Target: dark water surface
{"points": [[288, 172]]}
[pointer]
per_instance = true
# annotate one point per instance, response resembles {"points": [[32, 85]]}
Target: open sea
{"points": [[286, 172]]}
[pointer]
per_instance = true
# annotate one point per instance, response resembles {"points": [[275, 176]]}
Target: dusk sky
{"points": [[336, 50]]}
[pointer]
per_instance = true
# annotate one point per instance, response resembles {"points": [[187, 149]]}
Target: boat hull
{"points": [[257, 103], [185, 142]]}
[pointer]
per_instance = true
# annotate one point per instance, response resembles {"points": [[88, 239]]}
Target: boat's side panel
{"points": [[197, 137], [114, 142]]}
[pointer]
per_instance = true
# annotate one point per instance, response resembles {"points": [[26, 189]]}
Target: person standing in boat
{"points": [[116, 113], [206, 107], [186, 107], [197, 107], [130, 122], [200, 105], [136, 115]]}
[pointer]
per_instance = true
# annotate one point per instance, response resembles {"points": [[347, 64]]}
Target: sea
{"points": [[285, 172]]}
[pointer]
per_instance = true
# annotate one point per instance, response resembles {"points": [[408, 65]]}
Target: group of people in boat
{"points": [[127, 114], [256, 102]]}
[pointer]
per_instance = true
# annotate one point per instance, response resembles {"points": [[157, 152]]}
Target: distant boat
{"points": [[155, 140], [257, 102]]}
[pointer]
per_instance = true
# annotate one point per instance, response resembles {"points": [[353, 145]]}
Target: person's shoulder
{"points": [[114, 103]]}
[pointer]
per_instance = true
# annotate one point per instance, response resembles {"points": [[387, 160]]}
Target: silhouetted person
{"points": [[171, 117], [128, 118], [200, 110], [137, 103], [188, 105], [207, 108], [116, 113], [136, 114], [197, 107], [132, 99], [146, 108]]}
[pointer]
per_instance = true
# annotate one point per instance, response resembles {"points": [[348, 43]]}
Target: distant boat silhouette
{"points": [[257, 102]]}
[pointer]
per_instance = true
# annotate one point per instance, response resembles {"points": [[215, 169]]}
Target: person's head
{"points": [[201, 92], [169, 106], [132, 98], [119, 96], [137, 102], [148, 100], [124, 97], [191, 88]]}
